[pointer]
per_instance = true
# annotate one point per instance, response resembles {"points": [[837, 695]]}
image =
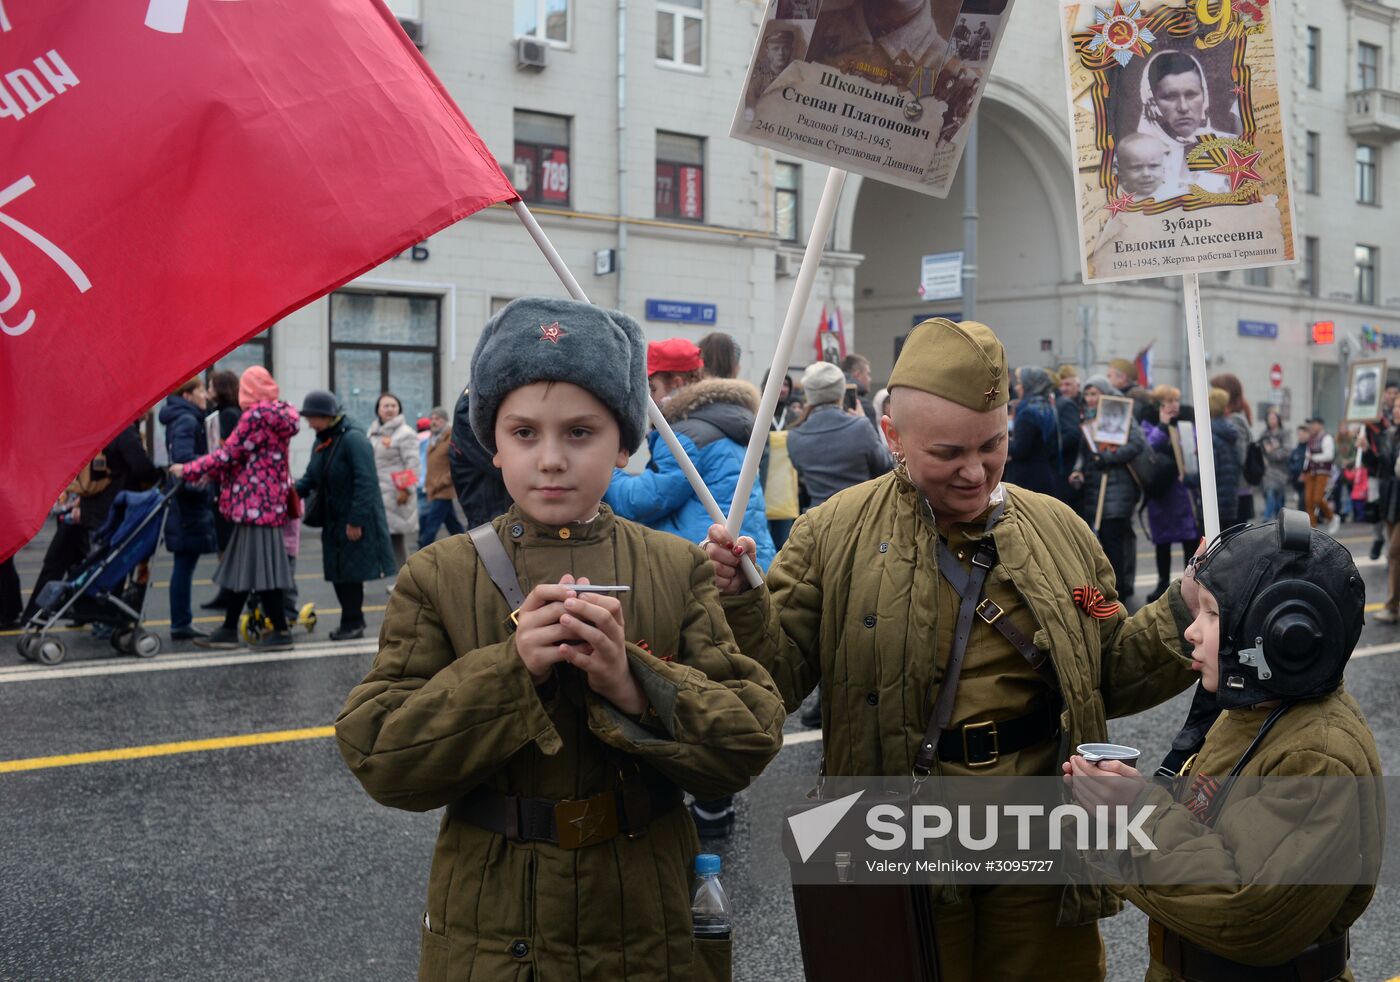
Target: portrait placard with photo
{"points": [[1364, 388]]}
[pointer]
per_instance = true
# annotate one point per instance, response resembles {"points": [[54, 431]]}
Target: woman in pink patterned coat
{"points": [[253, 476]]}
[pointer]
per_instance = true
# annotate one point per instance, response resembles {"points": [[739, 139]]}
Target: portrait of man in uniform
{"points": [[886, 41], [1364, 401], [782, 45]]}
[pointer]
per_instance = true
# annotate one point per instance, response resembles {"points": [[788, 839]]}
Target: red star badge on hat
{"points": [[1239, 168], [552, 332], [1116, 206]]}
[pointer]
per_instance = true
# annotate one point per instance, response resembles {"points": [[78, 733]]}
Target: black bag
{"points": [[1254, 466], [313, 506], [1154, 472]]}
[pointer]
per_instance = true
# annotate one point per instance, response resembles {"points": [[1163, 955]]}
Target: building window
{"points": [[787, 184], [1367, 263], [254, 351], [1258, 277], [680, 177], [1368, 66], [680, 33], [1314, 58], [547, 20], [385, 342], [1311, 164], [542, 157], [1366, 157], [1308, 272]]}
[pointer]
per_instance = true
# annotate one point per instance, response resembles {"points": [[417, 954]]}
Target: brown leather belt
{"points": [[570, 823], [981, 744], [1323, 961]]}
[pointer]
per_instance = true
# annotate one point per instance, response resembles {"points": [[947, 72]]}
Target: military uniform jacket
{"points": [[855, 600], [1236, 915], [449, 706]]}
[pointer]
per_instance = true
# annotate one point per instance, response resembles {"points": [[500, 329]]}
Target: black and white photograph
{"points": [[1113, 421], [1364, 390]]}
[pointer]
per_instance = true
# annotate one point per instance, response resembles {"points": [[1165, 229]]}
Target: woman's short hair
{"points": [[1165, 393], [387, 395], [189, 386]]}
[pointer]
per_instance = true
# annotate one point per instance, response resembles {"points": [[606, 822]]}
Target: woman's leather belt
{"points": [[1319, 962], [568, 823]]}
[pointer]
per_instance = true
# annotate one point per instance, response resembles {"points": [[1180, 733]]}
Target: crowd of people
{"points": [[505, 678]]}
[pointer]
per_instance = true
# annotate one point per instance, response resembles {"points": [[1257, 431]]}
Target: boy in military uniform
{"points": [[559, 728], [1280, 612], [870, 596]]}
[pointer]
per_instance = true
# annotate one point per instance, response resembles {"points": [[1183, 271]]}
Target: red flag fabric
{"points": [[175, 175], [823, 326]]}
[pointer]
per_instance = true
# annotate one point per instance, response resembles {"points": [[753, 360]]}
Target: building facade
{"points": [[613, 121]]}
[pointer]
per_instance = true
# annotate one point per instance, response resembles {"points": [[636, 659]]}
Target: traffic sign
{"points": [[1276, 376]]}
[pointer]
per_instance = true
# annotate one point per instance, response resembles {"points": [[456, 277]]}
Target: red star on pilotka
{"points": [[1116, 206], [551, 332], [1239, 168]]}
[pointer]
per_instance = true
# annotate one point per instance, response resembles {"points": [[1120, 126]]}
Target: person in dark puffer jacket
{"points": [[1120, 491], [189, 522]]}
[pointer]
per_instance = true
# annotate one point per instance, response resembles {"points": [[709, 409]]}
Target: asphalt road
{"points": [[232, 843]]}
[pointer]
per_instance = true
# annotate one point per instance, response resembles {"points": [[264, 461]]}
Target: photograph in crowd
{"points": [[1113, 421], [883, 88], [1364, 390], [1178, 138]]}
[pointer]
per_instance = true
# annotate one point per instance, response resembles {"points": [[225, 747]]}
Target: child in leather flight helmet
{"points": [[559, 727], [1260, 879]]}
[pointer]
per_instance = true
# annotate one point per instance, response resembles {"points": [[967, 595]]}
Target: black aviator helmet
{"points": [[1291, 609]]}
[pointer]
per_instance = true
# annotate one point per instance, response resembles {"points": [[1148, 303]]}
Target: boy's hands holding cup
{"points": [[555, 624], [1107, 782]]}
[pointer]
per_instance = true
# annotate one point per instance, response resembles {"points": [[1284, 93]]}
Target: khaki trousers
{"points": [[1008, 933], [1315, 497]]}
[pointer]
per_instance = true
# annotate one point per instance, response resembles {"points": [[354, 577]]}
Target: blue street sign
{"points": [[682, 311], [1258, 329]]}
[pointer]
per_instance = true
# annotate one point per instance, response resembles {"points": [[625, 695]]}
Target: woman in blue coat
{"points": [[1171, 515], [713, 419], [189, 522]]}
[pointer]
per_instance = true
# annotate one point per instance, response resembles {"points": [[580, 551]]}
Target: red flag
{"points": [[823, 328], [175, 175]]}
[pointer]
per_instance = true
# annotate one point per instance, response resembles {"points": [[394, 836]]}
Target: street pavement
{"points": [[188, 816]]}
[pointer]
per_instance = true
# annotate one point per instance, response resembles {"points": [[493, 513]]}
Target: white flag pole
{"points": [[697, 483], [801, 293], [1200, 397]]}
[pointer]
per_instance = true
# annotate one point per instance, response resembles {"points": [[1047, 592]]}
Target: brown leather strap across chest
{"points": [[568, 823], [1323, 961]]}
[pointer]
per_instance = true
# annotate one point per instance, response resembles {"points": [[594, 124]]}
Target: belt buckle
{"points": [[989, 604], [989, 725], [585, 821]]}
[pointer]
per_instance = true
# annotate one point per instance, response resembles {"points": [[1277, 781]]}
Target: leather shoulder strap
{"points": [[498, 565]]}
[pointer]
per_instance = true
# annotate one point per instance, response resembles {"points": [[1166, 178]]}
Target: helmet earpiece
{"points": [[1283, 634]]}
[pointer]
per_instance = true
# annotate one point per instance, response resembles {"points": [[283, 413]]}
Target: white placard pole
{"points": [[801, 293], [697, 483], [1200, 398]]}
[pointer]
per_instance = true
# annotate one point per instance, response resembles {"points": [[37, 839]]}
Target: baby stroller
{"points": [[109, 586]]}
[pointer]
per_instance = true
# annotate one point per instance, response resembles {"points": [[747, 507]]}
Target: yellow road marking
{"points": [[165, 749], [215, 620]]}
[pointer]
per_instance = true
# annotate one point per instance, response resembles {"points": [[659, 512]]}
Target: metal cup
{"points": [[1095, 753]]}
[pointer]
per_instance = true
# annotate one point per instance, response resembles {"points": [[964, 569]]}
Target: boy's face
{"points": [[1204, 635], [1140, 167], [557, 445]]}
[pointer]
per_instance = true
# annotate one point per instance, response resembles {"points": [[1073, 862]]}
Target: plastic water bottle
{"points": [[709, 910]]}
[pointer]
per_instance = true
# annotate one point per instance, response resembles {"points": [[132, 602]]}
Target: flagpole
{"points": [[797, 307], [1200, 397], [697, 483]]}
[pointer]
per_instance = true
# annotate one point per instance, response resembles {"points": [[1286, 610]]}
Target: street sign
{"points": [[681, 311], [1258, 329], [940, 276], [1276, 376]]}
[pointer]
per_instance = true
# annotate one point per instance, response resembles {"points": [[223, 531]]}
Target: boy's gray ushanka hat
{"points": [[542, 339]]}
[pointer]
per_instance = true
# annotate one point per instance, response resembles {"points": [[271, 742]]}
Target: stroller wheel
{"points": [[121, 639], [250, 628], [307, 617], [26, 646], [49, 651], [144, 644]]}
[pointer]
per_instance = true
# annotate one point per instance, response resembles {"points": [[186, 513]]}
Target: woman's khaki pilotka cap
{"points": [[962, 362]]}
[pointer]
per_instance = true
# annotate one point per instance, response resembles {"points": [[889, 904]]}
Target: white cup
{"points": [[1096, 753]]}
